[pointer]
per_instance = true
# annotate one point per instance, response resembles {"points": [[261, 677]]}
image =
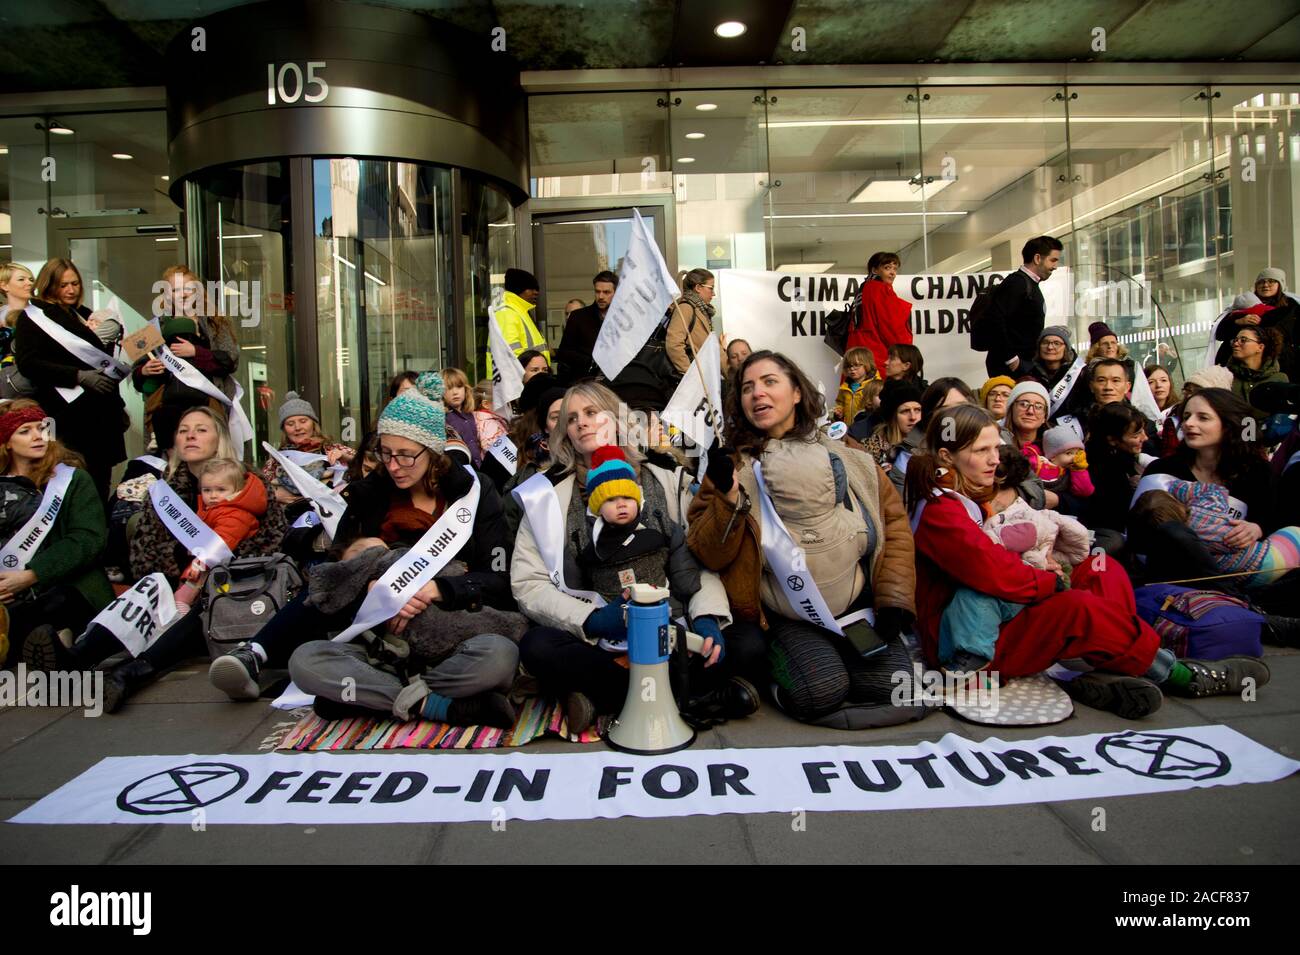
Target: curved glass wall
{"points": [[340, 273]]}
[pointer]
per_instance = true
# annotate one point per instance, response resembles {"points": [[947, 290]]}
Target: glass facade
{"points": [[1170, 199]]}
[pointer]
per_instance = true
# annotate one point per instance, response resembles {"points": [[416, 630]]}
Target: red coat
{"points": [[239, 518], [952, 552], [885, 321]]}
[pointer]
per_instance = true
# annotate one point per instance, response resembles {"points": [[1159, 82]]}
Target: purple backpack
{"points": [[1202, 624]]}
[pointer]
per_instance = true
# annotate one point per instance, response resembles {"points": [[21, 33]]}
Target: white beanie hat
{"points": [[1028, 387]]}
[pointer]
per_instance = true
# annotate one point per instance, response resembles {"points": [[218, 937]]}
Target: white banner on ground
{"points": [[692, 409], [140, 614], [784, 312], [645, 290], [340, 788]]}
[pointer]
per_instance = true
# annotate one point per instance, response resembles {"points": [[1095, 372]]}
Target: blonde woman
{"points": [[564, 650]]}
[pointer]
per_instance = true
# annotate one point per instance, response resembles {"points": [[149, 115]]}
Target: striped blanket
{"points": [[537, 717]]}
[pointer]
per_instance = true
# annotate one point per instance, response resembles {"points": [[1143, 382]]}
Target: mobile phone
{"points": [[864, 639]]}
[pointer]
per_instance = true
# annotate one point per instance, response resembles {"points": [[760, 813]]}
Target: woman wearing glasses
{"points": [[1271, 306], [691, 318], [1255, 351], [415, 486], [1056, 358]]}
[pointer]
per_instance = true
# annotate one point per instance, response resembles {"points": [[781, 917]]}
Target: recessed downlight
{"points": [[122, 156], [694, 135], [730, 29], [685, 159], [706, 107]]}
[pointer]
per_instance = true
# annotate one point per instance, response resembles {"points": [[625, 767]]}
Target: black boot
{"points": [[483, 709], [123, 680], [1282, 631], [733, 700], [43, 650]]}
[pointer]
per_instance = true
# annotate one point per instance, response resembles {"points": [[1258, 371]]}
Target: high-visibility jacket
{"points": [[517, 328]]}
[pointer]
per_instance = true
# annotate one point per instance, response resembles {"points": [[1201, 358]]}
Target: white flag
{"points": [[507, 373], [692, 409], [1142, 398], [645, 290]]}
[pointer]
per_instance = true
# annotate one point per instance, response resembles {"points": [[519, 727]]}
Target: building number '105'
{"points": [[275, 84]]}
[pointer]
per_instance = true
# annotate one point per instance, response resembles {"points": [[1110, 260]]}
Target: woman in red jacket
{"points": [[1091, 626], [883, 317]]}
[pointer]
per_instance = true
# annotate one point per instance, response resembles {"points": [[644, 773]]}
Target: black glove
{"points": [[721, 470], [891, 622], [100, 384]]}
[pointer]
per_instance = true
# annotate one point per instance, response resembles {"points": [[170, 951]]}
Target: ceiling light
{"points": [[860, 215], [122, 156], [166, 178], [685, 159], [4, 150], [705, 107], [805, 267], [730, 29], [694, 135], [899, 189], [61, 130]]}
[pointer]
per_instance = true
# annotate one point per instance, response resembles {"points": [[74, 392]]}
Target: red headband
{"points": [[13, 420]]}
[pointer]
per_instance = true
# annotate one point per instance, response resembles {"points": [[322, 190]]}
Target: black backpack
{"points": [[981, 328], [836, 325]]}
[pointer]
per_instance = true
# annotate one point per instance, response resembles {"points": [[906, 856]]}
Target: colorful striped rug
{"points": [[537, 717]]}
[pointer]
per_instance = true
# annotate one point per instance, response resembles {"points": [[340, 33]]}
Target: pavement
{"points": [[43, 748]]}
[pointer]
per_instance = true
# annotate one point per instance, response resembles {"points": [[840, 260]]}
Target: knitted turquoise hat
{"points": [[418, 414]]}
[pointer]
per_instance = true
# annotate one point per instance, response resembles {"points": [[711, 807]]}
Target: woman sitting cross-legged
{"points": [[1087, 622], [447, 650], [575, 650], [805, 533], [50, 573]]}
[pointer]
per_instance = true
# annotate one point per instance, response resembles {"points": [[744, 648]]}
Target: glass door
{"points": [[570, 248]]}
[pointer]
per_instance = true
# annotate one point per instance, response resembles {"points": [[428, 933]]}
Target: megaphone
{"points": [[649, 723]]}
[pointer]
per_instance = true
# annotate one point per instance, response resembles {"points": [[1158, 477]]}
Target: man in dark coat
{"points": [[1016, 311], [581, 331]]}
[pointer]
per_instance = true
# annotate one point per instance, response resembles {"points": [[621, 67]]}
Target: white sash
{"points": [[1062, 388], [27, 539], [79, 348], [1212, 347], [504, 450], [141, 614], [419, 565], [538, 499], [153, 461], [183, 524], [241, 429], [972, 509], [326, 502], [1161, 482], [800, 588]]}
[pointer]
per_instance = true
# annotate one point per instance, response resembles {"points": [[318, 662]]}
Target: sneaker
{"points": [[734, 700], [1130, 697], [43, 650], [579, 713], [235, 673], [1224, 677]]}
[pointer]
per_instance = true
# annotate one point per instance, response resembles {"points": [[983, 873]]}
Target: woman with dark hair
{"points": [[530, 432], [1167, 400], [1255, 351], [1115, 435], [1275, 308], [941, 393], [883, 319], [904, 362], [690, 320], [60, 282], [50, 571], [812, 545], [900, 413], [400, 382], [1091, 626], [1214, 450]]}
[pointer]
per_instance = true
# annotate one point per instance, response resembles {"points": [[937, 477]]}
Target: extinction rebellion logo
{"points": [[1161, 756], [182, 789]]}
